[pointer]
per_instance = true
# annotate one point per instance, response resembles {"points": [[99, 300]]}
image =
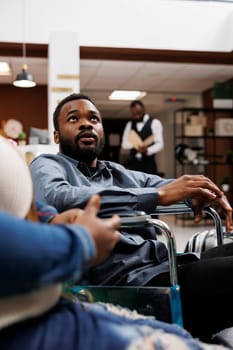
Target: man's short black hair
{"points": [[71, 97], [135, 103]]}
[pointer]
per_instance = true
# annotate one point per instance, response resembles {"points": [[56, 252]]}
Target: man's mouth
{"points": [[86, 139]]}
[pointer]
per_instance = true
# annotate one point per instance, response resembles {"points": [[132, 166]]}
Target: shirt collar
{"points": [[100, 164], [143, 120]]}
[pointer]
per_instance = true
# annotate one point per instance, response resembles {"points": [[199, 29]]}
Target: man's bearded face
{"points": [[82, 151]]}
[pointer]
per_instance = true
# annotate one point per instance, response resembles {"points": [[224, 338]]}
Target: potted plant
{"points": [[225, 184], [22, 138]]}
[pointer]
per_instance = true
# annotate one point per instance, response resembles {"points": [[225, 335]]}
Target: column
{"points": [[63, 71]]}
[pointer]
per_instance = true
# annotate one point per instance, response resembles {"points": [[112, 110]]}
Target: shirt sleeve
{"points": [[44, 211], [33, 255], [157, 131], [125, 143], [119, 188]]}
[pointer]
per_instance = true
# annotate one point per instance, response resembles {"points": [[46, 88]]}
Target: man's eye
{"points": [[94, 118], [72, 119]]}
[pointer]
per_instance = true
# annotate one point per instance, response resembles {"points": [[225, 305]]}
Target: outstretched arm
{"points": [[33, 255], [201, 190], [60, 183], [103, 232]]}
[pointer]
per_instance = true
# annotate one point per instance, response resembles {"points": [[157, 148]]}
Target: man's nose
{"points": [[85, 124]]}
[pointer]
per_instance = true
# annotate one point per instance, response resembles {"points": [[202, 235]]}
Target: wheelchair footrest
{"points": [[161, 302]]}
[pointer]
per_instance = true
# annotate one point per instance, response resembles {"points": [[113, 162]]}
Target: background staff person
{"points": [[143, 137]]}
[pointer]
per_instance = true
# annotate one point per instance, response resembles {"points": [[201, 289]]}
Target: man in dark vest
{"points": [[143, 137]]}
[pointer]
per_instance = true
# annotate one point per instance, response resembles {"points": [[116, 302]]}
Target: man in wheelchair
{"points": [[36, 258], [68, 179]]}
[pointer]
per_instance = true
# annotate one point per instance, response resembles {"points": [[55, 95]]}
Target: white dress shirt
{"points": [[157, 131]]}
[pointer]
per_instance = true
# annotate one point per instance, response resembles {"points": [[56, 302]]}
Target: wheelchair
{"points": [[164, 303]]}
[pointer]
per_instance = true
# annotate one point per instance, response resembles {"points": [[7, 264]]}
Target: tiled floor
{"points": [[182, 230]]}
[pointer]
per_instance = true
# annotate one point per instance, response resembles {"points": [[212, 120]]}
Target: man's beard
{"points": [[84, 154]]}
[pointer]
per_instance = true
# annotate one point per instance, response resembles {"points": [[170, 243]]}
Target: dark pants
{"points": [[206, 291]]}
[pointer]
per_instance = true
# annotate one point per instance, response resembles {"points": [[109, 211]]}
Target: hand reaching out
{"points": [[103, 232], [70, 216]]}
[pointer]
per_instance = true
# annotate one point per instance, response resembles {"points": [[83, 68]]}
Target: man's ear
{"points": [[56, 137]]}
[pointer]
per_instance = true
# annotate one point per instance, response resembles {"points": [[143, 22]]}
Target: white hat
{"points": [[16, 189]]}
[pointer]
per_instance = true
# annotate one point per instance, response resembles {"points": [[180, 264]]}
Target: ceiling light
{"points": [[5, 68], [126, 95], [24, 79]]}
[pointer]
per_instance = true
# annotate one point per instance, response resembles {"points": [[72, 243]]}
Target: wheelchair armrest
{"points": [[177, 208], [132, 219], [182, 208], [145, 220]]}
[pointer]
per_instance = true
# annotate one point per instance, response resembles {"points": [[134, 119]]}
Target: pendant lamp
{"points": [[24, 79]]}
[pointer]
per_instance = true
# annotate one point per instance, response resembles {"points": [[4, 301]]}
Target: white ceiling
{"points": [[161, 80]]}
